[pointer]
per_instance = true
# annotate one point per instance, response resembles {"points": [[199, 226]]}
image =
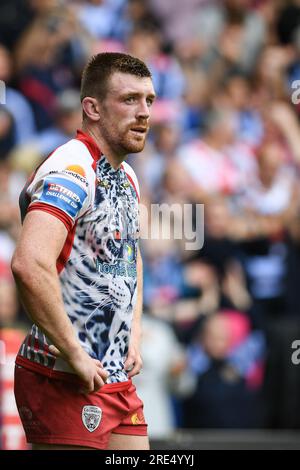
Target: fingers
{"points": [[103, 373], [98, 383], [92, 386], [135, 369], [99, 379], [87, 388], [130, 362], [98, 363], [53, 350]]}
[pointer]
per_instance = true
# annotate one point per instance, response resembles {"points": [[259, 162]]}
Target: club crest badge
{"points": [[91, 417]]}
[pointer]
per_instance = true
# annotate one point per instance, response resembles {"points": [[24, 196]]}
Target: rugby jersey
{"points": [[97, 265]]}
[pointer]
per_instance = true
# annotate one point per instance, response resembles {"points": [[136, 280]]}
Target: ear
{"points": [[91, 108]]}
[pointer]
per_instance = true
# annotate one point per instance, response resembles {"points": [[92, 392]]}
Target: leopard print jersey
{"points": [[99, 278]]}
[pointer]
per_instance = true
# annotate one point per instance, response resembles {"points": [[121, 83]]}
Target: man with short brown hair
{"points": [[79, 272]]}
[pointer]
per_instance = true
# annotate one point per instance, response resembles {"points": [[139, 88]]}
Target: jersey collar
{"points": [[90, 143]]}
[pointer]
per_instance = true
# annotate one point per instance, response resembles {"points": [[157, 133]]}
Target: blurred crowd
{"points": [[219, 322]]}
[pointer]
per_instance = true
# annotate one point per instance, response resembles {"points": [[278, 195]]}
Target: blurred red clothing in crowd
{"points": [[12, 434]]}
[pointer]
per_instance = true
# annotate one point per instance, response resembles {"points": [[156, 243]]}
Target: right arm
{"points": [[34, 268]]}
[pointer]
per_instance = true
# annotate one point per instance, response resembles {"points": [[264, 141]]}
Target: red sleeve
{"points": [[58, 213]]}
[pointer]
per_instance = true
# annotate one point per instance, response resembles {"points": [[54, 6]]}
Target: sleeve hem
{"points": [[58, 213]]}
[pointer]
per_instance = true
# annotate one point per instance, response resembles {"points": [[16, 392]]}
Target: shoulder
{"points": [[70, 159], [68, 168], [73, 152]]}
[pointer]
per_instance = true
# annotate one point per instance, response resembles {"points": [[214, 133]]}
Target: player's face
{"points": [[125, 112]]}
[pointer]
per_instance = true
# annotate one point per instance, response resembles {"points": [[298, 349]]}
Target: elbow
{"points": [[24, 268], [19, 267], [28, 268]]}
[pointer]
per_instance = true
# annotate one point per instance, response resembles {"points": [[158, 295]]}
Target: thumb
{"points": [[53, 350], [128, 365]]}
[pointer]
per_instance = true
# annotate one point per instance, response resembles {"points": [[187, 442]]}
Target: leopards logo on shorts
{"points": [[91, 417], [137, 418]]}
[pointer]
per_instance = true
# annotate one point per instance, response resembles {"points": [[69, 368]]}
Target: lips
{"points": [[141, 130]]}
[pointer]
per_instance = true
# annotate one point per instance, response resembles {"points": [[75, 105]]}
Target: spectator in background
{"points": [[269, 203], [250, 126], [176, 18], [288, 21], [269, 75], [227, 359], [275, 185], [231, 35], [16, 16], [135, 13], [12, 331], [164, 374], [167, 75], [282, 381], [213, 286], [215, 163], [8, 296], [197, 99], [10, 184], [49, 56], [68, 117], [157, 157], [162, 274], [7, 132], [293, 266], [282, 125], [99, 17], [287, 26], [16, 104]]}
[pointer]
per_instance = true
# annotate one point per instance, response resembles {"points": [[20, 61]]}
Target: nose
{"points": [[143, 111]]}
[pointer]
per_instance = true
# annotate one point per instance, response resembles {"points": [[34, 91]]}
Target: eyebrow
{"points": [[136, 93]]}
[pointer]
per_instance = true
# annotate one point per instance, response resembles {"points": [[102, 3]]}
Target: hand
{"points": [[133, 363], [90, 371]]}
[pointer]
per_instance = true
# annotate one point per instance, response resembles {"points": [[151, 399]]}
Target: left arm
{"points": [[133, 362]]}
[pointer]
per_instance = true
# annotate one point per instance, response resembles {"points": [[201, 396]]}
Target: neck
{"points": [[112, 157]]}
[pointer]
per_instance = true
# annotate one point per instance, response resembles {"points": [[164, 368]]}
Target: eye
{"points": [[130, 99], [150, 102]]}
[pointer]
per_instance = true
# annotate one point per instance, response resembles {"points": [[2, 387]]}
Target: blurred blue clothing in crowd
{"points": [[162, 280], [22, 113], [102, 19]]}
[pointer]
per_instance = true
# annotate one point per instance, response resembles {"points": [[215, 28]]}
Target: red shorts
{"points": [[54, 412]]}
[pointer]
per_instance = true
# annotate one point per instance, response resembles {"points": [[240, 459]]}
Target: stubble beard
{"points": [[127, 144], [133, 146]]}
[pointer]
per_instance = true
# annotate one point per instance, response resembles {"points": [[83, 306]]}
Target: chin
{"points": [[135, 147], [138, 149]]}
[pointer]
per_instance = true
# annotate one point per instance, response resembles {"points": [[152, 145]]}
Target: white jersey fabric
{"points": [[97, 265]]}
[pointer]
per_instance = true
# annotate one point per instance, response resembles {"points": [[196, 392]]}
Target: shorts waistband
{"points": [[116, 387], [68, 377]]}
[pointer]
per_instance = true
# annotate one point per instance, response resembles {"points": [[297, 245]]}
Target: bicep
{"points": [[42, 238]]}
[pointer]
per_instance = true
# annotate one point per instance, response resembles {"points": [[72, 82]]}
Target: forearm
{"points": [[40, 293]]}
